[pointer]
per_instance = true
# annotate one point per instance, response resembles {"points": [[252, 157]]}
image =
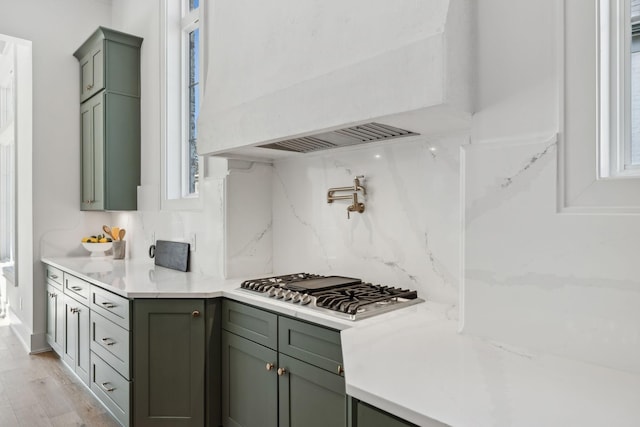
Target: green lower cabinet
{"points": [[249, 383], [279, 372], [169, 362], [310, 396]]}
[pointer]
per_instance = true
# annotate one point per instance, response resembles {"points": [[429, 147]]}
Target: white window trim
{"points": [[614, 47], [585, 139], [168, 121]]}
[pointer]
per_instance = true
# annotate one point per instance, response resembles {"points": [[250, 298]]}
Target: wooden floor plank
{"points": [[39, 390]]}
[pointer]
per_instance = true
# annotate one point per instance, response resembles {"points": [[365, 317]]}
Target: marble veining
{"points": [[559, 283], [250, 246], [408, 233], [509, 180]]}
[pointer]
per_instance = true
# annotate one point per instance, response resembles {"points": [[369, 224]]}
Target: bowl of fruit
{"points": [[98, 245]]}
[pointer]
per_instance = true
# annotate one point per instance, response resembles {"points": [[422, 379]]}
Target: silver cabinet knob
{"points": [[340, 370], [281, 371], [195, 313], [270, 366]]}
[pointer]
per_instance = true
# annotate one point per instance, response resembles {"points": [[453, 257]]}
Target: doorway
{"points": [[15, 156]]}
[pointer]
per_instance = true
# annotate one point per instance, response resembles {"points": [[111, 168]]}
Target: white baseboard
{"points": [[32, 343]]}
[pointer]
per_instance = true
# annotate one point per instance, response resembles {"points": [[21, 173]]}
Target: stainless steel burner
{"points": [[341, 296]]}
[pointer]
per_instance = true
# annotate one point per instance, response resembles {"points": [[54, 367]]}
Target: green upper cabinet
{"points": [[110, 120], [109, 60]]}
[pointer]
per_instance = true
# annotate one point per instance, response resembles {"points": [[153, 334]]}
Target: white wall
{"points": [[56, 30]]}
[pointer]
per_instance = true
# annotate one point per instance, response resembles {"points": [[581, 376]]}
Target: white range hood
{"points": [[296, 71]]}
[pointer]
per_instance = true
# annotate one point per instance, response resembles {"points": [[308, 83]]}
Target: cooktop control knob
{"points": [[272, 291], [296, 297], [306, 299], [279, 293]]}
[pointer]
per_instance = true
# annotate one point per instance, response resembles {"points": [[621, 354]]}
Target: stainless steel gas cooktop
{"points": [[345, 297]]}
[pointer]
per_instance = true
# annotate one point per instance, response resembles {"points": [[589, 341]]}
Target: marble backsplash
{"points": [[565, 284], [408, 235]]}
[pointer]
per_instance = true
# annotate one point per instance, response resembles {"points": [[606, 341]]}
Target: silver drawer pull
{"points": [[54, 276], [76, 288], [108, 341], [105, 386], [108, 304]]}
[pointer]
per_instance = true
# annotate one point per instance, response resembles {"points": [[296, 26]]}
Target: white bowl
{"points": [[97, 249]]}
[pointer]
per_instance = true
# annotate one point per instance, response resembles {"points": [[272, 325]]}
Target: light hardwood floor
{"points": [[38, 390]]}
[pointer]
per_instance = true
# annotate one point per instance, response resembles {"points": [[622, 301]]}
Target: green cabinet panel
{"points": [[249, 383], [112, 389], [76, 342], [55, 318], [367, 416], [310, 396], [112, 343], [110, 152], [91, 72], [92, 131], [168, 362], [310, 343], [110, 120], [252, 323]]}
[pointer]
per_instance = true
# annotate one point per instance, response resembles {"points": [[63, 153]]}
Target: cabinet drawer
{"points": [[312, 344], [111, 343], [113, 390], [252, 323], [54, 276], [76, 287], [112, 306]]}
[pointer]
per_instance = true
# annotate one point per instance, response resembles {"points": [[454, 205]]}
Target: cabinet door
{"points": [[249, 383], [55, 319], [83, 364], [92, 131], [168, 362], [310, 396], [76, 338], [92, 72], [70, 332]]}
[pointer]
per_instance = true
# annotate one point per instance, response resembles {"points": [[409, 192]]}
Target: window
{"points": [[7, 152], [619, 88], [596, 173], [634, 149], [181, 77], [191, 58]]}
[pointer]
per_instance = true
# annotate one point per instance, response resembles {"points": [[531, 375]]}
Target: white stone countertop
{"points": [[412, 362], [419, 368]]}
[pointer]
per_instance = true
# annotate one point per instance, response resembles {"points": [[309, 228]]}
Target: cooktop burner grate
{"points": [[339, 295], [354, 298]]}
